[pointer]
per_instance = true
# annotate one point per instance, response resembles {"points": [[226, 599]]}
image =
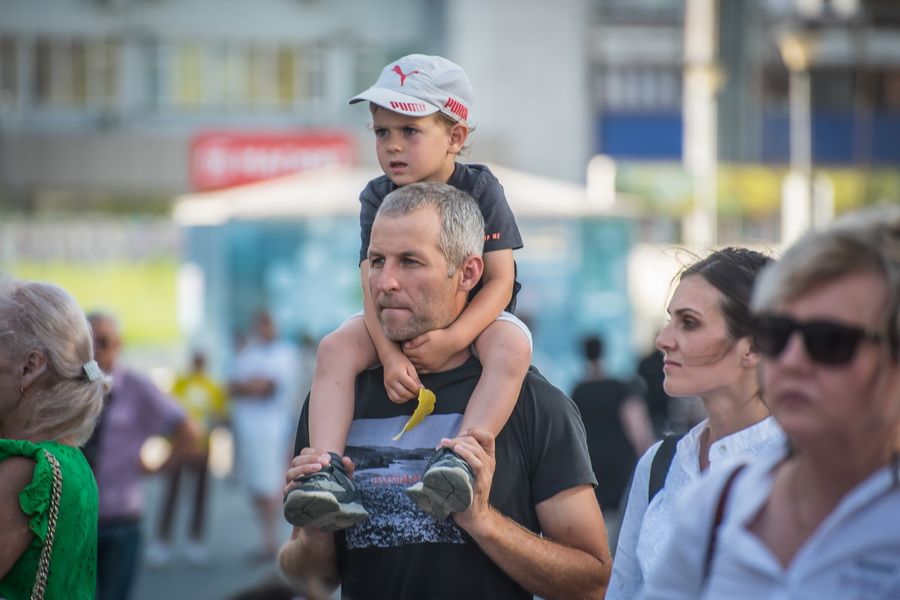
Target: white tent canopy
{"points": [[334, 191]]}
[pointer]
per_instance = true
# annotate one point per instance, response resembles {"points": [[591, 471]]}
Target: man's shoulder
{"points": [[542, 402], [543, 391]]}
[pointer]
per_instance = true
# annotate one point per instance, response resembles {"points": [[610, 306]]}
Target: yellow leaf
{"points": [[425, 408]]}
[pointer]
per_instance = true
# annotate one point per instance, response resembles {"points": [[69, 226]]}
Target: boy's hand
{"points": [[401, 380], [431, 350]]}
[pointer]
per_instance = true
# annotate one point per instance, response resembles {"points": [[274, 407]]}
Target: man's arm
{"points": [[256, 386], [309, 559], [571, 560], [187, 443]]}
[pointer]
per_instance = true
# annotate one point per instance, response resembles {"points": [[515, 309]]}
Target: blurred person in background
{"points": [[650, 374], [708, 353], [261, 388], [51, 391], [616, 423], [204, 401], [821, 518], [135, 409]]}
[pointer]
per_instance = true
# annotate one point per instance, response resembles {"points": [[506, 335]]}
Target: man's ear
{"points": [[33, 366], [470, 272], [459, 133]]}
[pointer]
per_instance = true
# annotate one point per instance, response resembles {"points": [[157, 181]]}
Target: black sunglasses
{"points": [[826, 342]]}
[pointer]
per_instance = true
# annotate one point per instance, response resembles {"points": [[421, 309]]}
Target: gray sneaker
{"points": [[326, 499], [446, 485]]}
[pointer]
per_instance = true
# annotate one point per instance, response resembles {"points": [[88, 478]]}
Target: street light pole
{"points": [[700, 145], [797, 195]]}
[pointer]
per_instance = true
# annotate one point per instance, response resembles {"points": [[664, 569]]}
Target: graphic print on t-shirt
{"points": [[384, 468]]}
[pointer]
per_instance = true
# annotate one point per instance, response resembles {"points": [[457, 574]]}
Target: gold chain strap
{"points": [[43, 571]]}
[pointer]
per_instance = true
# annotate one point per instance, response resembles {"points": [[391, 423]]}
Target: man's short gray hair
{"points": [[462, 225], [44, 318]]}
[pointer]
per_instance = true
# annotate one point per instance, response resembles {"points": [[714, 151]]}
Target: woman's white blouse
{"points": [[854, 553], [646, 529]]}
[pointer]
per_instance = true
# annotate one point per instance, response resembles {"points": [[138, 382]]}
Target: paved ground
{"points": [[232, 537]]}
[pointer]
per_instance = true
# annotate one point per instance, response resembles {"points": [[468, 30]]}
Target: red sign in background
{"points": [[224, 159]]}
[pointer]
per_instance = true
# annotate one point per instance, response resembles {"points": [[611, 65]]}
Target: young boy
{"points": [[420, 111]]}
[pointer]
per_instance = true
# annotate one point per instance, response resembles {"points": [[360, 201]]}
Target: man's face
{"points": [[107, 343], [408, 279], [265, 327]]}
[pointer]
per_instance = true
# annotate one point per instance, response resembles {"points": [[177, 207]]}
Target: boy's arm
{"points": [[400, 378], [432, 349]]}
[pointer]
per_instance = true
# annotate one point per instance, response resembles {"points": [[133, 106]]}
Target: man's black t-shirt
{"points": [[401, 552]]}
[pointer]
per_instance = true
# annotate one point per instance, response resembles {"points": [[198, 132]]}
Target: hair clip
{"points": [[92, 370]]}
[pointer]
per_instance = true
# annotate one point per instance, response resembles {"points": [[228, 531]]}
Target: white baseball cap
{"points": [[419, 85]]}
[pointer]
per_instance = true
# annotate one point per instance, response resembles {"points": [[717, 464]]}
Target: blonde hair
{"points": [[864, 241], [44, 318]]}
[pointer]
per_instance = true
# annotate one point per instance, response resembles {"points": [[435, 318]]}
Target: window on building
{"points": [[225, 75], [9, 72], [889, 98], [73, 74], [639, 88], [775, 88], [833, 89]]}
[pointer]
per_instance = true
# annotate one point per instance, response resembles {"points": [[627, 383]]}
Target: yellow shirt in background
{"points": [[202, 398]]}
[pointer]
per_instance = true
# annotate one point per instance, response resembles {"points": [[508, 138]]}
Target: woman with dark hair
{"points": [[821, 518], [51, 392], [709, 354]]}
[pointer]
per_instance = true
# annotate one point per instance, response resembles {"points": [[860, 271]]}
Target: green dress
{"points": [[73, 563]]}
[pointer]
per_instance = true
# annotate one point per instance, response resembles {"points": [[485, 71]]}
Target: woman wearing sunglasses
{"points": [[821, 519], [51, 392], [708, 353]]}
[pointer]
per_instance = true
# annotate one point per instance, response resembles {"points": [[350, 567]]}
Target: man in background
{"points": [[134, 410], [262, 388]]}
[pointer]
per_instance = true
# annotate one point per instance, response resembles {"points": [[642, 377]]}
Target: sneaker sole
{"points": [[322, 510], [442, 491]]}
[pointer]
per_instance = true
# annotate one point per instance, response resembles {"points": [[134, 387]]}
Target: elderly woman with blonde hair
{"points": [[821, 519], [51, 392]]}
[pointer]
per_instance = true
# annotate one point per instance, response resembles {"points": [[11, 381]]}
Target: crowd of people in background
{"points": [[432, 460], [795, 361]]}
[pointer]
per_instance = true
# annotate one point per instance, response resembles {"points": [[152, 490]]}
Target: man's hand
{"points": [[431, 350], [309, 461], [571, 557], [476, 447], [401, 380]]}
